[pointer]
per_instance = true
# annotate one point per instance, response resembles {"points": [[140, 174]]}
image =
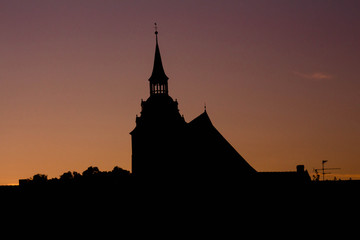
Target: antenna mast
{"points": [[323, 169]]}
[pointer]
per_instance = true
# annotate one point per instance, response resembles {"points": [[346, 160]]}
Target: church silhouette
{"points": [[165, 145]]}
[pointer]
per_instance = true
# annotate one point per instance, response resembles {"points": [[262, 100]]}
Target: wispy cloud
{"points": [[315, 75]]}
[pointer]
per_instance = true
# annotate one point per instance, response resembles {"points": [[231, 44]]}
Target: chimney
{"points": [[300, 168]]}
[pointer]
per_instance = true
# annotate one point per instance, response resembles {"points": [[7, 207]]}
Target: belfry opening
{"points": [[158, 79]]}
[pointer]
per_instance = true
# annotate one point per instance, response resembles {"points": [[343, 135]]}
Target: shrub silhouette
{"points": [[91, 176]]}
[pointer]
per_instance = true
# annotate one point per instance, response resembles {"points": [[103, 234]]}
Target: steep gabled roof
{"points": [[215, 150], [201, 121]]}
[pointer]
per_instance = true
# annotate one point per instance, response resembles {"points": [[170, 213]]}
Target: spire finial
{"points": [[156, 32], [204, 106]]}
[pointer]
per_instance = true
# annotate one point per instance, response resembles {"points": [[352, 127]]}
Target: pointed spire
{"points": [[158, 74]]}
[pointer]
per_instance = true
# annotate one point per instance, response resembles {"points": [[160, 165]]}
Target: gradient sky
{"points": [[280, 80]]}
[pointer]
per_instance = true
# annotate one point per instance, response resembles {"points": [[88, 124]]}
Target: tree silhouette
{"points": [[40, 178], [68, 176], [91, 171], [117, 171], [92, 176]]}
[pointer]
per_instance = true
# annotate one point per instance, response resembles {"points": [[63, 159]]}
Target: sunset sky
{"points": [[280, 80]]}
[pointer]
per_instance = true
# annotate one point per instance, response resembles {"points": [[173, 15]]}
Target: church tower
{"points": [[157, 137], [158, 80], [165, 146]]}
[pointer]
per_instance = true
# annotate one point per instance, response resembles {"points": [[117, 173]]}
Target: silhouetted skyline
{"points": [[165, 145], [279, 80]]}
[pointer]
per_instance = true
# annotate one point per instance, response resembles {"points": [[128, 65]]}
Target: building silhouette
{"points": [[165, 145]]}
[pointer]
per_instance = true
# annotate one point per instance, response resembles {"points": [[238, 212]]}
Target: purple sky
{"points": [[279, 78]]}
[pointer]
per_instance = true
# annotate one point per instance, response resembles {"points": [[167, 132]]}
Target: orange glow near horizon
{"points": [[279, 80]]}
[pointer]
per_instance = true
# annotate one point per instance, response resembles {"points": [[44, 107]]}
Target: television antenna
{"points": [[323, 170]]}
